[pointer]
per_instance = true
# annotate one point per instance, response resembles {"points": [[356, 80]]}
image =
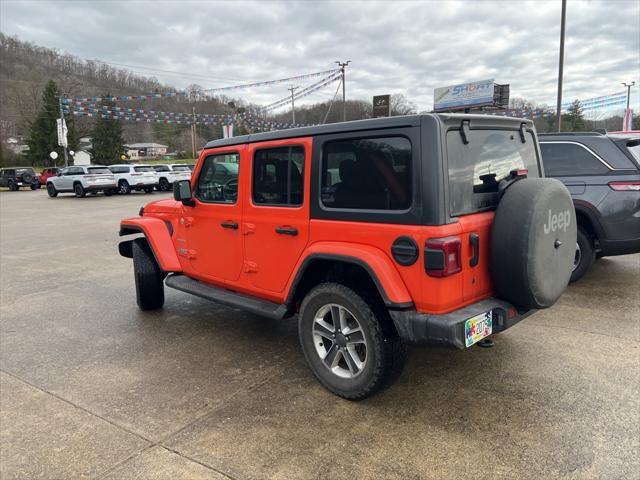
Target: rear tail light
{"points": [[443, 256], [625, 186]]}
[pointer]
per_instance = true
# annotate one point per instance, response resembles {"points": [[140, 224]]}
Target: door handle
{"points": [[474, 241], [229, 224], [287, 231]]}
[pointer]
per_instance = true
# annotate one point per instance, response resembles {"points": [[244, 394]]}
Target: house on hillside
{"points": [[145, 150]]}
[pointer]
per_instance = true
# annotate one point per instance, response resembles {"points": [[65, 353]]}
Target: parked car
{"points": [[603, 176], [46, 174], [134, 177], [170, 173], [436, 229], [16, 177], [82, 180]]}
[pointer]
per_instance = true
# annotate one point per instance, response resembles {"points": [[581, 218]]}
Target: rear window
{"points": [[475, 169], [98, 170], [181, 168], [143, 169]]}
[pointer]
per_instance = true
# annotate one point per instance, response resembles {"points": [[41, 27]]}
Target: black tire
{"points": [[51, 190], [12, 186], [585, 256], [78, 189], [385, 354], [35, 186], [532, 243], [108, 192], [163, 185], [148, 189], [124, 188], [149, 278]]}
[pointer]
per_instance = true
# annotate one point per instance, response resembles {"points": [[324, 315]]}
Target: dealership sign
{"points": [[464, 95]]}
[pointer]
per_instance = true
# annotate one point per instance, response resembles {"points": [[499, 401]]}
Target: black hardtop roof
{"points": [[361, 125]]}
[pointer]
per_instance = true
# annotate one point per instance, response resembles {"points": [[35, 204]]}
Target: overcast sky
{"points": [[395, 47]]}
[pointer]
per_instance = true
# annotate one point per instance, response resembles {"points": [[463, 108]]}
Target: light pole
{"points": [[628, 85], [561, 63], [342, 66], [62, 123], [293, 105]]}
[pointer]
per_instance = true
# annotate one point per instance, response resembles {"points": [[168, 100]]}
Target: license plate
{"points": [[478, 327]]}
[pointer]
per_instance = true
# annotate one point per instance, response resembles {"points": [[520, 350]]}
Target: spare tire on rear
{"points": [[533, 242]]}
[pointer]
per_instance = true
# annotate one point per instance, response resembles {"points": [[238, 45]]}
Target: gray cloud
{"points": [[396, 47]]}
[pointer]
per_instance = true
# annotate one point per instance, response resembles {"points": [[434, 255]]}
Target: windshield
{"points": [[181, 168], [98, 170], [476, 168], [143, 169]]}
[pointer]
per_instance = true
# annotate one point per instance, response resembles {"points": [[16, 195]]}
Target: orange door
{"points": [[476, 229], [212, 227], [275, 222]]}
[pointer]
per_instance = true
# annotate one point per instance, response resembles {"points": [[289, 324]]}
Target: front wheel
{"points": [[124, 188], [35, 186], [51, 190], [148, 189], [349, 343], [584, 257], [148, 277], [13, 187]]}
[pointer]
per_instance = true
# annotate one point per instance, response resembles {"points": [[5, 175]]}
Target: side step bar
{"points": [[225, 297]]}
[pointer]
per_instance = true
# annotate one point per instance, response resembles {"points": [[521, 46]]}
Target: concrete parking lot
{"points": [[93, 388]]}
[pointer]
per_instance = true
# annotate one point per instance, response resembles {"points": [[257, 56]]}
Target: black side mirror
{"points": [[182, 193]]}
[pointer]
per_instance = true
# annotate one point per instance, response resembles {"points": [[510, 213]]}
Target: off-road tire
{"points": [[124, 188], [587, 256], [163, 185], [148, 277], [13, 186], [51, 190], [78, 189], [385, 351]]}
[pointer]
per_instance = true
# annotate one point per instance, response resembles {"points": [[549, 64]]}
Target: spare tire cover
{"points": [[533, 242], [27, 177]]}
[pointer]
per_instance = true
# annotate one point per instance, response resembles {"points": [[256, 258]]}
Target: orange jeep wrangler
{"points": [[431, 229]]}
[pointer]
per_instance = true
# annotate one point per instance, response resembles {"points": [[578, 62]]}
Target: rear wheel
{"points": [[124, 188], [12, 186], [51, 190], [78, 189], [35, 186], [585, 256], [148, 277], [349, 343], [163, 185]]}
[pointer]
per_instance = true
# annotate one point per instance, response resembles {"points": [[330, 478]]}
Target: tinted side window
{"points": [[75, 171], [213, 185], [569, 159], [369, 174], [119, 169], [278, 176]]}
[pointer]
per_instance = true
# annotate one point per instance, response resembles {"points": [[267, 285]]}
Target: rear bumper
{"points": [[143, 185], [449, 329], [101, 187]]}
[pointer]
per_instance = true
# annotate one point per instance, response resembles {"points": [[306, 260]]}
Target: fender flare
{"points": [[159, 238], [378, 265], [592, 214]]}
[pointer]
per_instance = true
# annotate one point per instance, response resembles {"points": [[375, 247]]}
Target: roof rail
{"points": [[570, 134]]}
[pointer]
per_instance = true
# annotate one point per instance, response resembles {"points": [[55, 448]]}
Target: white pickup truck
{"points": [[82, 180], [170, 173], [134, 177]]}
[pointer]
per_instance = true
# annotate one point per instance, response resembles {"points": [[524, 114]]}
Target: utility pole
{"points": [[293, 105], [193, 134], [64, 147], [561, 63], [628, 85], [342, 66]]}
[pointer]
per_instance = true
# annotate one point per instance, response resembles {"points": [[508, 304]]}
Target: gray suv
{"points": [[602, 173]]}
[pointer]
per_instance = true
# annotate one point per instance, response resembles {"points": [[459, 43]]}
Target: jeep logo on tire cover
{"points": [[557, 221]]}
